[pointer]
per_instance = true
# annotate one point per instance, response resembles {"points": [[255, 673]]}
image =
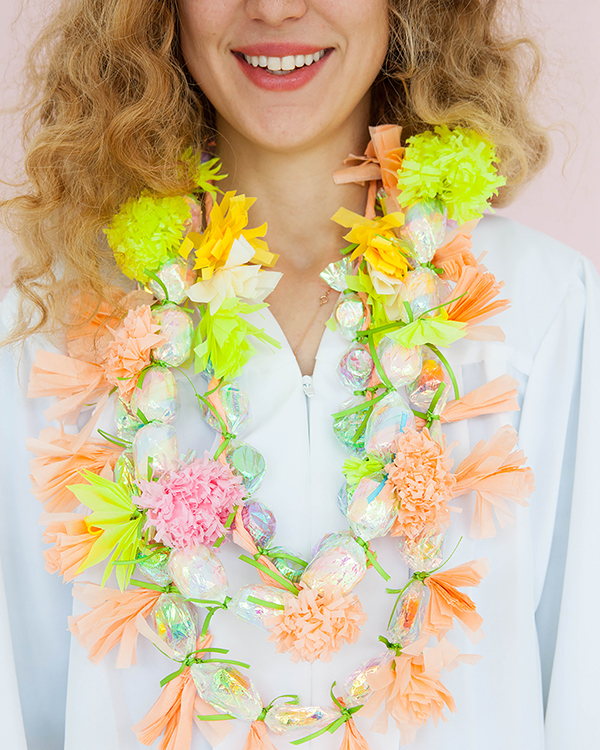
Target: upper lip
{"points": [[277, 49]]}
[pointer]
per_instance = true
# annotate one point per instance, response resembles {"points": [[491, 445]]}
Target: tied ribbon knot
{"points": [[372, 558], [346, 715], [430, 415], [294, 702], [193, 658], [395, 647], [270, 553]]}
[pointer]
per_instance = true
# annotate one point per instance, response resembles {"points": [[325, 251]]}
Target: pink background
{"points": [[563, 201]]}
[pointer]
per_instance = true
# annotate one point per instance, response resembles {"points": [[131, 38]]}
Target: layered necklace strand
{"points": [[409, 286]]}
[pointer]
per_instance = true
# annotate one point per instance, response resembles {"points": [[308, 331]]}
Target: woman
{"points": [[282, 92]]}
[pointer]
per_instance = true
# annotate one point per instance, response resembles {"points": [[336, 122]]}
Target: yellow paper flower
{"points": [[376, 240], [228, 221]]}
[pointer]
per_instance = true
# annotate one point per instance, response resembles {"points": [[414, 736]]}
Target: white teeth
{"points": [[283, 64]]}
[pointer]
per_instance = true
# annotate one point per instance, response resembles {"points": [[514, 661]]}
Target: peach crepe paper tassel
{"points": [[479, 289], [409, 692], [60, 457], [243, 539], [496, 396], [455, 256], [174, 712], [111, 621], [257, 738], [446, 602], [72, 543], [496, 474], [74, 382]]}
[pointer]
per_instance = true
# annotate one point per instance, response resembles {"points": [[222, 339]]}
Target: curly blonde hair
{"points": [[115, 108]]}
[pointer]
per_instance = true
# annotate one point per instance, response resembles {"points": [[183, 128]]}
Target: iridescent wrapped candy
{"points": [[235, 408], [401, 365], [349, 314], [227, 689], [287, 717], [175, 622], [155, 450], [126, 422], [335, 274], [424, 552], [177, 277], [421, 392], [251, 611], [345, 428], [290, 568], [246, 462], [259, 521], [198, 573], [153, 563], [372, 508], [425, 227], [156, 396], [391, 416], [339, 561], [176, 326], [405, 626], [356, 367], [422, 290], [356, 690]]}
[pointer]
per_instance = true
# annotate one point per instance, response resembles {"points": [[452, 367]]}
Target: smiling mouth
{"points": [[282, 66]]}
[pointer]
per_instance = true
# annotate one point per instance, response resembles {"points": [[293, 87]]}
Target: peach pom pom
{"points": [[129, 351], [313, 626], [420, 475]]}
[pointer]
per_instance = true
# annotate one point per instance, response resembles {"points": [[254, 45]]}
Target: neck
{"points": [[295, 192]]}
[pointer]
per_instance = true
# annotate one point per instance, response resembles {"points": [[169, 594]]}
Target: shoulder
{"points": [[541, 277]]}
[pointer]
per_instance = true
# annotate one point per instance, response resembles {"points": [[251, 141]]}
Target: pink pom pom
{"points": [[190, 506]]}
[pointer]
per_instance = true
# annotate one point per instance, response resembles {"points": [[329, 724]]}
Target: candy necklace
{"points": [[409, 286]]}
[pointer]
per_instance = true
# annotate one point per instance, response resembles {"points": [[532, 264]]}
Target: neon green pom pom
{"points": [[456, 166], [145, 232]]}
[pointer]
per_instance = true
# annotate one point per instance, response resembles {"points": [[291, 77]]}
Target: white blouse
{"points": [[539, 602]]}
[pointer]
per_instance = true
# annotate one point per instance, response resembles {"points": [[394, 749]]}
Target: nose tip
{"points": [[275, 12]]}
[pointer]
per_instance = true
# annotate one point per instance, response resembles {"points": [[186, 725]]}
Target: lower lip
{"points": [[290, 82]]}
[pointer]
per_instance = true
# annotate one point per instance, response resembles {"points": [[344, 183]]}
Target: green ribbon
{"points": [[265, 603], [267, 552], [190, 659], [395, 647], [227, 524], [336, 724], [372, 559], [275, 576], [294, 702], [160, 282], [114, 439], [212, 608], [449, 370], [170, 588], [430, 415], [215, 717]]}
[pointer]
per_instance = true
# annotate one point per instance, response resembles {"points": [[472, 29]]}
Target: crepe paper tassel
{"points": [[59, 460], [257, 738], [473, 297], [496, 396], [496, 473], [111, 621], [454, 256], [72, 381], [406, 691], [313, 626], [446, 602], [72, 544], [353, 739], [174, 712], [243, 539]]}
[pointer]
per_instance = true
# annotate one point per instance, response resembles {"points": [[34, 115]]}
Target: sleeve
{"points": [[34, 606], [560, 434]]}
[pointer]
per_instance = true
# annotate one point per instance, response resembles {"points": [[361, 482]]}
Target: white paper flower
{"points": [[389, 288], [234, 279]]}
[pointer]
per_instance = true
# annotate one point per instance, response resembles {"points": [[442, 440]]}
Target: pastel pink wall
{"points": [[564, 201]]}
